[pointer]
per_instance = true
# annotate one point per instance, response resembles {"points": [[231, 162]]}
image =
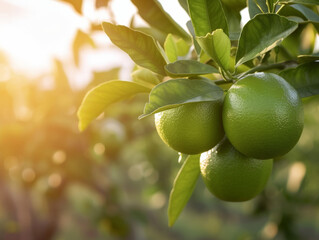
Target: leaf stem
{"points": [[261, 68], [281, 7]]}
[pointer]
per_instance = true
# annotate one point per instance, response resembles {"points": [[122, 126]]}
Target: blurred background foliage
{"points": [[113, 180]]}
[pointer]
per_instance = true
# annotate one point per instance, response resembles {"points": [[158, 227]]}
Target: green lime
{"points": [[231, 176], [191, 128], [263, 116]]}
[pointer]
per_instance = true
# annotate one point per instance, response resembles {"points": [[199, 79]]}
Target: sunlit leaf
{"points": [[76, 4], [183, 187], [175, 48], [188, 68], [303, 78], [140, 47], [146, 77], [101, 3], [207, 16], [153, 13], [96, 100], [104, 76], [257, 37], [217, 46], [80, 40], [176, 92], [60, 78]]}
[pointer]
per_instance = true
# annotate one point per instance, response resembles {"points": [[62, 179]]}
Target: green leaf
{"points": [[303, 78], [176, 92], [217, 46], [184, 5], [192, 31], [97, 99], [175, 48], [305, 2], [308, 58], [140, 47], [153, 13], [146, 77], [308, 14], [188, 68], [207, 16], [255, 9], [233, 18], [183, 187], [258, 38]]}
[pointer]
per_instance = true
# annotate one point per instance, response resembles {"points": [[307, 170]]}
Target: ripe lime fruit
{"points": [[235, 4], [231, 176], [191, 128], [263, 116]]}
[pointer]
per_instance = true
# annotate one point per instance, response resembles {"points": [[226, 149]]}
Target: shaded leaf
{"points": [[303, 78], [207, 16], [192, 31], [308, 58], [183, 187], [257, 37], [97, 99], [217, 46], [306, 2], [188, 68], [254, 9], [308, 14], [184, 5], [140, 47], [176, 92], [153, 13]]}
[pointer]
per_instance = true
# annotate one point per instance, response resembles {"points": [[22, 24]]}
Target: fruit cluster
{"points": [[260, 118]]}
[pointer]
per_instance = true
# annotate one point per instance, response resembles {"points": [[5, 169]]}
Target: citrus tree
{"points": [[227, 97]]}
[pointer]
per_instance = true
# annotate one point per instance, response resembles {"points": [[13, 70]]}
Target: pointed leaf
{"points": [[176, 92], [207, 16], [188, 68], [258, 38], [217, 45], [183, 187], [140, 47], [153, 13], [96, 100], [304, 78]]}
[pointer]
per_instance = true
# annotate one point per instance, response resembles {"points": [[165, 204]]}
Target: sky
{"points": [[34, 32]]}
